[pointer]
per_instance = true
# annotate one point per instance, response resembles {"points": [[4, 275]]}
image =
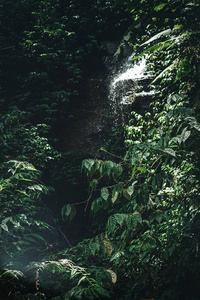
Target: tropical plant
{"points": [[152, 194], [145, 204], [20, 200], [24, 141]]}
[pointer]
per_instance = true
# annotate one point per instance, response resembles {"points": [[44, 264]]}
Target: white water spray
{"points": [[130, 83], [131, 71]]}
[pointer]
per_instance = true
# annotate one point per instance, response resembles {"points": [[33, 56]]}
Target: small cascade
{"points": [[130, 86]]}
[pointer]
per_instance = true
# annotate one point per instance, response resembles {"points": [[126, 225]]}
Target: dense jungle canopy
{"points": [[112, 213]]}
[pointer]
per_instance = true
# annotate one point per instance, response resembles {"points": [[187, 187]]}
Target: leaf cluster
{"points": [[20, 201], [151, 232]]}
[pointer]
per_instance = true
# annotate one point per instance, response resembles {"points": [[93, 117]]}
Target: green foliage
{"points": [[81, 281], [55, 44], [20, 197], [23, 141], [153, 193], [148, 198]]}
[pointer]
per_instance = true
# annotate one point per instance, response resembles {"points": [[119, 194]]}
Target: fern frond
{"points": [[157, 47], [167, 44], [12, 274], [157, 36], [167, 70]]}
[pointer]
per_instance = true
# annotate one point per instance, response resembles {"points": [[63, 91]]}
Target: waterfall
{"points": [[130, 71], [130, 85]]}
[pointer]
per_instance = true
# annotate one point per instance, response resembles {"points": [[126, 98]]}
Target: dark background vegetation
{"points": [[77, 222]]}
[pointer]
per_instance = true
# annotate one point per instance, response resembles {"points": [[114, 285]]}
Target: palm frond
{"points": [[166, 70]]}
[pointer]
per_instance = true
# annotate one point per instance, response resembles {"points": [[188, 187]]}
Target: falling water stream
{"points": [[128, 85]]}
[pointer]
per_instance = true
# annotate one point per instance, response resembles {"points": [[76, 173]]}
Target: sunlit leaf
{"points": [[113, 275], [170, 151], [4, 226], [160, 6], [108, 247], [114, 198], [142, 169], [185, 135], [104, 193]]}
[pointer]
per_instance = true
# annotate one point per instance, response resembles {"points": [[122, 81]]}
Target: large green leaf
{"points": [[104, 193], [160, 6]]}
